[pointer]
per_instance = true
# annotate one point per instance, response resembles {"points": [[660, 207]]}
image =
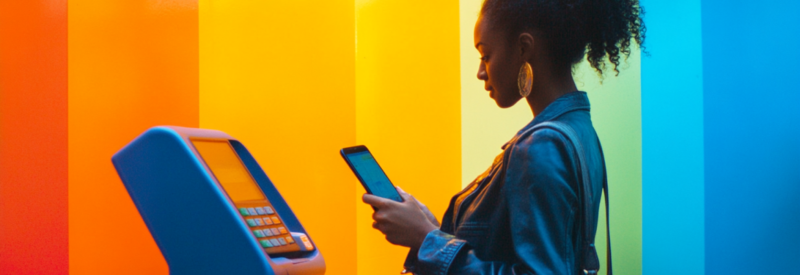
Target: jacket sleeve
{"points": [[542, 204]]}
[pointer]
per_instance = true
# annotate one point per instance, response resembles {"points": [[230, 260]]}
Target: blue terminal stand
{"points": [[196, 223]]}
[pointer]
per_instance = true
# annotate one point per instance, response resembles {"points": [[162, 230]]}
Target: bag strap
{"points": [[591, 262]]}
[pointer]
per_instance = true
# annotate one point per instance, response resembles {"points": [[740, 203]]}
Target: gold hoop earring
{"points": [[525, 79]]}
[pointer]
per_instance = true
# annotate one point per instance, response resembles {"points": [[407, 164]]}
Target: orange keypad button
{"points": [[275, 219]]}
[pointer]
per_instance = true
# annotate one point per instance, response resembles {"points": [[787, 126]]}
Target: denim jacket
{"points": [[521, 216]]}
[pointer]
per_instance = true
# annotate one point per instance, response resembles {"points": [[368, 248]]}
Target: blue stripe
{"points": [[672, 140], [752, 143]]}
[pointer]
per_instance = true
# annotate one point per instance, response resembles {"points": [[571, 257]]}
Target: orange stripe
{"points": [[33, 137], [132, 65], [280, 77]]}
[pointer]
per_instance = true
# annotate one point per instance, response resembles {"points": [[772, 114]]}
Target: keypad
{"points": [[269, 230]]}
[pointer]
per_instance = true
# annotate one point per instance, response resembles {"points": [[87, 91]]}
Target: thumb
{"points": [[403, 194]]}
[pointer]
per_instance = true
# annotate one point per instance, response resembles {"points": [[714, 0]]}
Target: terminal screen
{"points": [[229, 170], [261, 218]]}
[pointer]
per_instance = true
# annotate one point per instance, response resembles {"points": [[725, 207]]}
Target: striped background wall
{"points": [[700, 132], [407, 110], [672, 133], [33, 137], [279, 76], [132, 64], [752, 136]]}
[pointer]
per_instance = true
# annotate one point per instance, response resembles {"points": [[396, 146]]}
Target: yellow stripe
{"points": [[408, 109], [485, 127]]}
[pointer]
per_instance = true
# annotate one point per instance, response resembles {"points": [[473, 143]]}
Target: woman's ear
{"points": [[526, 44]]}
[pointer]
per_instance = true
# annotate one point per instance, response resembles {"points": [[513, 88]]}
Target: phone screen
{"points": [[372, 175]]}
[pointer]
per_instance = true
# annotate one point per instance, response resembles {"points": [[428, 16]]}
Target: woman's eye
{"points": [[484, 58]]}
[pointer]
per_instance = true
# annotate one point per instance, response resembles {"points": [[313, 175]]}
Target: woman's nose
{"points": [[482, 72]]}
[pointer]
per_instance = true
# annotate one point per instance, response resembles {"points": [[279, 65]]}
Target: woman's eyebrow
{"points": [[477, 45]]}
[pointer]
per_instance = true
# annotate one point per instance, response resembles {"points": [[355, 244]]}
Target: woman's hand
{"points": [[404, 223]]}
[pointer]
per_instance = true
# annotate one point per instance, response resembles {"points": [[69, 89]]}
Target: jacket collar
{"points": [[566, 103]]}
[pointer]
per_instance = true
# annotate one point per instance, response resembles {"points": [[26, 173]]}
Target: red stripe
{"points": [[33, 137]]}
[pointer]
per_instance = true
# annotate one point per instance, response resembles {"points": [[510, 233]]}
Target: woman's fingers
{"points": [[405, 223], [375, 201], [407, 197], [383, 207], [403, 194], [421, 206], [379, 216]]}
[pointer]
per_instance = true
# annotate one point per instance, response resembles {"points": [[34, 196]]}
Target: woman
{"points": [[523, 215]]}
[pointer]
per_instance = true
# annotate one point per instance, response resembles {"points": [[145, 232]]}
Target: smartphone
{"points": [[369, 172]]}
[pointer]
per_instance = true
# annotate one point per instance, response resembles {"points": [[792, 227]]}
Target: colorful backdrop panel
{"points": [[280, 77], [617, 118], [752, 129], [132, 65], [672, 132], [33, 137], [407, 110]]}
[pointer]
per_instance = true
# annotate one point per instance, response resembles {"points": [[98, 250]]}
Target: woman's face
{"points": [[500, 64]]}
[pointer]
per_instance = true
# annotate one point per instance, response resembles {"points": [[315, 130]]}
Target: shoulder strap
{"points": [[591, 263]]}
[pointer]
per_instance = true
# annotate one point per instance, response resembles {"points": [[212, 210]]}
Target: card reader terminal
{"points": [[210, 207]]}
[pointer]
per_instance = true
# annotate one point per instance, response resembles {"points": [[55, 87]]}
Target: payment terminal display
{"points": [[265, 224], [370, 173]]}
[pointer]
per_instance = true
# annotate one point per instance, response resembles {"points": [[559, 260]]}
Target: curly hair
{"points": [[574, 28]]}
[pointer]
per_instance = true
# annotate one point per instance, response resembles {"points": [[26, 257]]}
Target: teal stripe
{"points": [[672, 133]]}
